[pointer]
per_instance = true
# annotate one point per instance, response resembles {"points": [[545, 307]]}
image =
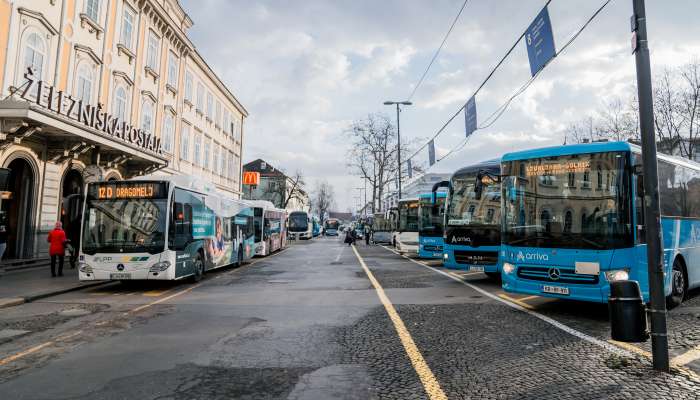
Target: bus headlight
{"points": [[617, 275], [508, 268], [84, 268], [445, 256], [159, 266]]}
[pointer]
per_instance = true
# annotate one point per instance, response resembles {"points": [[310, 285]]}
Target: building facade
{"points": [[276, 187], [414, 187], [103, 90]]}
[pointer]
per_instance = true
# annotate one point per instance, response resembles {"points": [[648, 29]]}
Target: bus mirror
{"points": [[638, 169]]}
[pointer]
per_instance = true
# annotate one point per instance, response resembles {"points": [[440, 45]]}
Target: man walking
{"points": [[57, 248]]}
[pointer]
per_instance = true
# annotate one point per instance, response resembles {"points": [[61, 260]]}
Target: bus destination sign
{"points": [[131, 190]]}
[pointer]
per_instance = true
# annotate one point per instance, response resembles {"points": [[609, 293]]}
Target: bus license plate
{"points": [[555, 289], [122, 275], [476, 268]]}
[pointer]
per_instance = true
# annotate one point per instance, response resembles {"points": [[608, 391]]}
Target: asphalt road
{"points": [[322, 320]]}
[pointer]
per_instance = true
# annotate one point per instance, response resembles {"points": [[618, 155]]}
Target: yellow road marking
{"points": [[631, 347], [145, 306], [528, 298], [687, 357], [156, 292], [27, 352], [516, 301], [430, 383]]}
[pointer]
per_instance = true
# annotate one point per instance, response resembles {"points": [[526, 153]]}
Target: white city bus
{"points": [[406, 236], [270, 227], [300, 225], [161, 228]]}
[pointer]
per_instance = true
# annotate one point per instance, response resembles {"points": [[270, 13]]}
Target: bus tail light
{"points": [[159, 266]]}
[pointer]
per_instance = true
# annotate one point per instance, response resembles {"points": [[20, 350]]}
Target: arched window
{"points": [[546, 221], [471, 210], [572, 179], [568, 221], [147, 116], [584, 222], [168, 133], [489, 215], [83, 89], [120, 100], [34, 56]]}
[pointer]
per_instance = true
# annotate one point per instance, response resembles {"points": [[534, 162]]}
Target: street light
{"points": [[398, 133]]}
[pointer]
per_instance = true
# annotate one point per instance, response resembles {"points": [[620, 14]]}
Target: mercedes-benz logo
{"points": [[554, 274], [120, 267]]}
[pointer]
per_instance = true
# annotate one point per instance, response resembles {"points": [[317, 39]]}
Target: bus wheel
{"points": [[198, 268], [679, 285]]}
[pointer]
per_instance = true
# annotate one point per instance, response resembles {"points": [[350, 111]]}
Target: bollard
{"points": [[628, 320]]}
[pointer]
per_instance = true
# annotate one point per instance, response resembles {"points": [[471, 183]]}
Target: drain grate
{"points": [[336, 262]]}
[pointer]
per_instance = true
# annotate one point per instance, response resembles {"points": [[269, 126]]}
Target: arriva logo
{"points": [[532, 257], [465, 239]]}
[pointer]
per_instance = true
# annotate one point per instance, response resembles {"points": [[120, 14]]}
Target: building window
{"points": [[218, 113], [572, 179], [196, 156], [546, 221], [147, 116], [34, 54], [120, 100], [586, 179], [227, 122], [184, 142], [200, 96], [568, 221], [215, 160], [188, 86], [210, 106], [172, 70], [168, 132], [92, 9], [224, 162], [600, 178], [207, 151], [153, 51], [83, 89], [127, 34]]}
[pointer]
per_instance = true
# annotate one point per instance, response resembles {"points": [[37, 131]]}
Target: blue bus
{"points": [[431, 209], [331, 227], [473, 216], [573, 221], [316, 226]]}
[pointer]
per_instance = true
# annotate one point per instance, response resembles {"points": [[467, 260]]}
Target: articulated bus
{"points": [[270, 227], [431, 209], [406, 235], [473, 219], [574, 221], [300, 225], [161, 228], [331, 226], [382, 228]]}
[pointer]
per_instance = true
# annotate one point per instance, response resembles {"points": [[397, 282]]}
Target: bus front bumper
{"points": [[597, 293]]}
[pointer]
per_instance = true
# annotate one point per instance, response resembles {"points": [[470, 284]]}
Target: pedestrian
{"points": [[57, 248], [368, 233]]}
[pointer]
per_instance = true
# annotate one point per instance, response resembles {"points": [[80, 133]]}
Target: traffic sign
{"points": [[431, 152], [470, 116], [540, 42]]}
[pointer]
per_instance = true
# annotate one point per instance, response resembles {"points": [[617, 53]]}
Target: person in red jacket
{"points": [[57, 248]]}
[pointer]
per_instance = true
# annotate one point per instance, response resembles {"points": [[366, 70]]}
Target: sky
{"points": [[306, 69]]}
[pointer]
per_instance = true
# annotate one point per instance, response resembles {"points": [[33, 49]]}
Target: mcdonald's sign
{"points": [[251, 178]]}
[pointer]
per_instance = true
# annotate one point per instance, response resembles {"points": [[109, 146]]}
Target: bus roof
{"points": [[429, 196], [408, 199], [493, 163], [264, 204], [569, 149]]}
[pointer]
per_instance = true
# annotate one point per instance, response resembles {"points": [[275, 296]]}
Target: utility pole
{"points": [[398, 134], [655, 261]]}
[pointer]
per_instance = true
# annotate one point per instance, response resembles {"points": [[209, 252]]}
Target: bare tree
{"points": [[323, 199], [286, 188], [690, 105], [668, 115], [582, 131], [618, 120]]}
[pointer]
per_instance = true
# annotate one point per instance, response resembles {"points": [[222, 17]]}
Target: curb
{"points": [[11, 302]]}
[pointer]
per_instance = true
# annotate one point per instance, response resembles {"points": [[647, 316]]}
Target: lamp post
{"points": [[398, 133]]}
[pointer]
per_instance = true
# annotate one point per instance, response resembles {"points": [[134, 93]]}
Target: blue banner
{"points": [[540, 42], [431, 152], [470, 116]]}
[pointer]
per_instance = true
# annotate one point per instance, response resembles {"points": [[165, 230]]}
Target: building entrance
{"points": [[19, 209], [71, 205]]}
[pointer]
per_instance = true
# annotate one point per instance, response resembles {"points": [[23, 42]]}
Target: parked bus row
{"points": [[561, 221], [169, 228]]}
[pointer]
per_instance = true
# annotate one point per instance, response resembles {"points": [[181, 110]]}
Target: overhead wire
{"points": [[494, 116], [437, 52]]}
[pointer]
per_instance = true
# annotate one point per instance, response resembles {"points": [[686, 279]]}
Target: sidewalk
{"points": [[29, 284]]}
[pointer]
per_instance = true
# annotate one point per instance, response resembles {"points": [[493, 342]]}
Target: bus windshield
{"points": [[430, 222], [464, 209], [332, 225], [408, 216], [121, 220], [381, 224], [298, 221], [579, 201]]}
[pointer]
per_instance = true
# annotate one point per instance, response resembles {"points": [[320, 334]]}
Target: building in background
{"points": [[101, 90], [422, 184], [275, 186]]}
